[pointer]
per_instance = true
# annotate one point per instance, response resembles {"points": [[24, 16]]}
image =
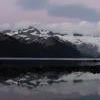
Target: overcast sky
{"points": [[53, 12]]}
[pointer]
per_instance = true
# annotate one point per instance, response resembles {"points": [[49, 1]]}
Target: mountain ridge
{"points": [[34, 42]]}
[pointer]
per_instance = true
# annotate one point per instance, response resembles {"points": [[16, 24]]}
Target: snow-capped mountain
{"points": [[34, 42]]}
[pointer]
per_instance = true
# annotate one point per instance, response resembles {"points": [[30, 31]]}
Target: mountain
{"points": [[34, 42]]}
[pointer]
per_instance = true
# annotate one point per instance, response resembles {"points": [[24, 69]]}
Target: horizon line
{"points": [[59, 59]]}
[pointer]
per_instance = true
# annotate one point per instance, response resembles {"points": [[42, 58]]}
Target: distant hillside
{"points": [[33, 42]]}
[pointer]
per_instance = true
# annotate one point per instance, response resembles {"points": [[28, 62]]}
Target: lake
{"points": [[51, 86]]}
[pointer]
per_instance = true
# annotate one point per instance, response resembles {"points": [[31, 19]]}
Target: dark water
{"points": [[22, 81], [51, 86]]}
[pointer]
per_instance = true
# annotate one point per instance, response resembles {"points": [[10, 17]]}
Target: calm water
{"points": [[51, 86]]}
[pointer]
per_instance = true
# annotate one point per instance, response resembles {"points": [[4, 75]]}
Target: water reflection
{"points": [[52, 86]]}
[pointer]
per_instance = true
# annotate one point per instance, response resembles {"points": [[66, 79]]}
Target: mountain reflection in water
{"points": [[71, 81], [51, 86]]}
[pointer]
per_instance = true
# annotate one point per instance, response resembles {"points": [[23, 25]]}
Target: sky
{"points": [[66, 14]]}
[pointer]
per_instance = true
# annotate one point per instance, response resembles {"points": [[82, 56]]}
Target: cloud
{"points": [[74, 11], [5, 27], [69, 10], [90, 3], [83, 27], [32, 4]]}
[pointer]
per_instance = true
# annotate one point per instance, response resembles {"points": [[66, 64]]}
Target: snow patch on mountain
{"points": [[87, 45]]}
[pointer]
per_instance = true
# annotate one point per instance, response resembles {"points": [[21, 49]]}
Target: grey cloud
{"points": [[32, 4], [74, 11], [67, 11]]}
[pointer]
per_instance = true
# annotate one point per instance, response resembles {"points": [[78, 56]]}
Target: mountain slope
{"points": [[33, 42]]}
